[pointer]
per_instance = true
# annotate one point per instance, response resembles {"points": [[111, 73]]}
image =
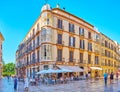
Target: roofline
{"points": [[73, 16], [30, 29], [108, 37]]}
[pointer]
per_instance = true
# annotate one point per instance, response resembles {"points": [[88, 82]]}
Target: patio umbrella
{"points": [[54, 71], [46, 71], [63, 71]]}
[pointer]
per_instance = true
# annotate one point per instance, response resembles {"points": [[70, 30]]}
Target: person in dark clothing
{"points": [[15, 83], [8, 77], [111, 77]]}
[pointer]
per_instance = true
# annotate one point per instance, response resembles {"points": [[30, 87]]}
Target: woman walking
{"points": [[111, 77]]}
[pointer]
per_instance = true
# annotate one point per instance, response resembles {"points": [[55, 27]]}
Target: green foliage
{"points": [[8, 69]]}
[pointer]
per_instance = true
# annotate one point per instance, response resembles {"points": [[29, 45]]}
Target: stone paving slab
{"points": [[78, 86]]}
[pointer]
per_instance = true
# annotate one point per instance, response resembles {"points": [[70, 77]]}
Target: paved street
{"points": [[79, 86], [76, 86], [6, 86]]}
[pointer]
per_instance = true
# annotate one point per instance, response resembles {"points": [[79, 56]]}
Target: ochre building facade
{"points": [[60, 38], [1, 64]]}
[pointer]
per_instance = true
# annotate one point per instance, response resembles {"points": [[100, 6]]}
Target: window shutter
{"points": [[83, 44], [69, 41], [73, 28], [69, 27], [74, 41]]}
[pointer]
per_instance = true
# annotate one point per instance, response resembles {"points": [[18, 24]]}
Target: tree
{"points": [[9, 69]]}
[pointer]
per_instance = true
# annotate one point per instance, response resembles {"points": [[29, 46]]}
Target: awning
{"points": [[53, 71], [72, 68], [96, 68]]}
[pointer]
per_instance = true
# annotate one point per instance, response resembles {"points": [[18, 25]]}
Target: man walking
{"points": [[15, 83], [105, 78]]}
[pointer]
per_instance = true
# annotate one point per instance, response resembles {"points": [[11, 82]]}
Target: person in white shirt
{"points": [[26, 84]]}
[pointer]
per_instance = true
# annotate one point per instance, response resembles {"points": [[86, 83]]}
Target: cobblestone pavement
{"points": [[75, 86], [78, 86]]}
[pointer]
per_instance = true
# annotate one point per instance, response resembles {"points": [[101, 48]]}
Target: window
{"points": [[105, 52], [82, 44], [46, 35], [38, 56], [48, 21], [89, 46], [46, 52], [59, 41], [33, 44], [33, 57], [108, 62], [33, 31], [59, 55], [89, 59], [71, 27], [106, 44], [72, 41], [37, 40], [96, 60], [97, 37], [38, 26], [27, 60], [81, 57], [60, 24], [105, 62], [46, 67], [81, 31], [89, 35], [71, 56]]}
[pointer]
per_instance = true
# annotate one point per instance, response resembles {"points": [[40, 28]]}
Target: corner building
{"points": [[59, 38], [1, 64]]}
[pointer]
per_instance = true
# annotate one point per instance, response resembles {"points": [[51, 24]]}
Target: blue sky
{"points": [[17, 17]]}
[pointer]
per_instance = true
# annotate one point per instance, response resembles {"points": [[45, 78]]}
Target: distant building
{"points": [[1, 64], [62, 39]]}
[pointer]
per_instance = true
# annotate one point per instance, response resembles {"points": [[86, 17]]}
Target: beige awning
{"points": [[73, 68], [96, 68]]}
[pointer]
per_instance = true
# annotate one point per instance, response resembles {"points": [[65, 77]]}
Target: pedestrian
{"points": [[117, 75], [26, 84], [111, 77], [105, 78], [8, 77], [86, 76], [15, 83]]}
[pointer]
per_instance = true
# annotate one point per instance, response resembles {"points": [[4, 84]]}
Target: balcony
{"points": [[103, 44], [37, 45], [60, 42], [82, 35], [60, 59], [97, 51], [60, 27], [103, 54]]}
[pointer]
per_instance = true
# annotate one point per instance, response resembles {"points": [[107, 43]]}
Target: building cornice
{"points": [[1, 37]]}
